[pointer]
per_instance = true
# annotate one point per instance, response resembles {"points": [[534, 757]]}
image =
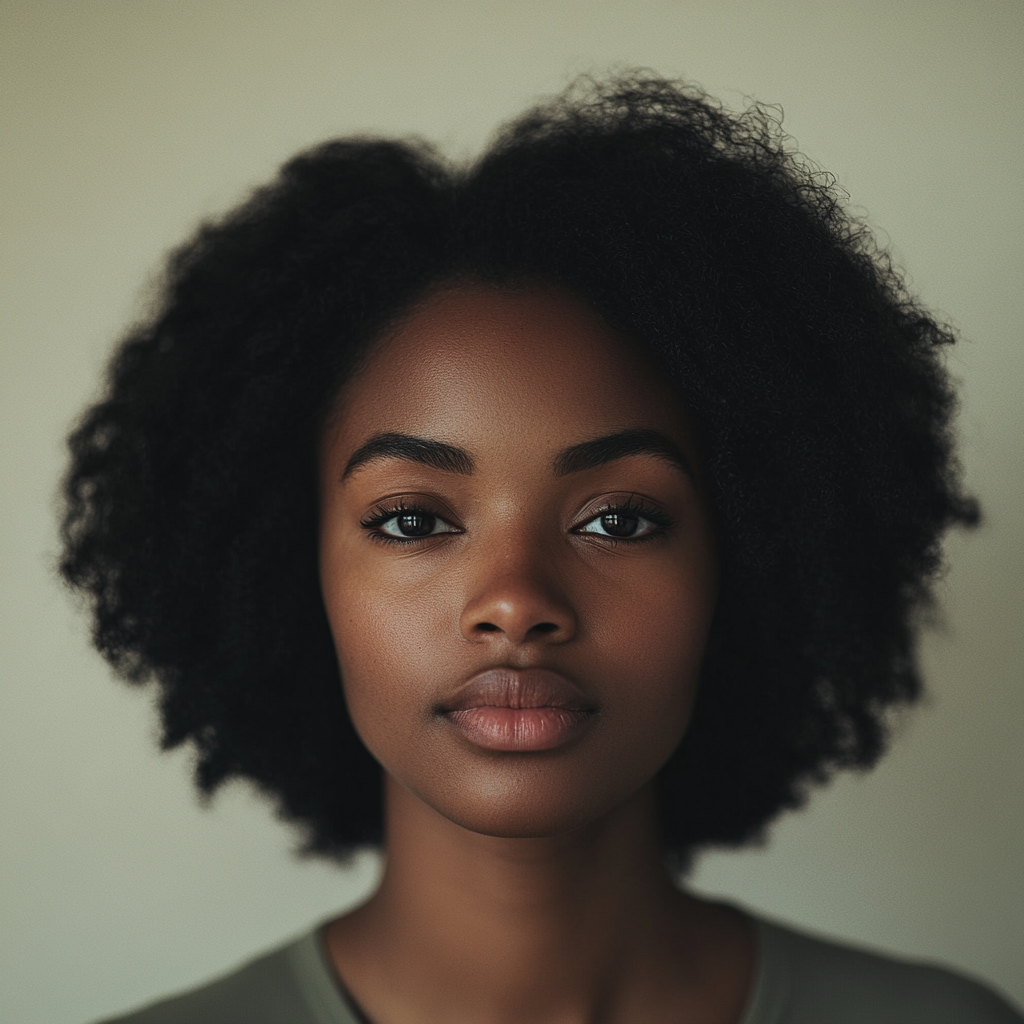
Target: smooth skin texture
{"points": [[506, 484]]}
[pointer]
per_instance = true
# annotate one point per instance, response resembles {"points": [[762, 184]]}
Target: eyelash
{"points": [[382, 513], [632, 506]]}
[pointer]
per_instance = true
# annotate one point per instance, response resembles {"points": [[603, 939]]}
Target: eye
{"points": [[406, 524], [621, 524], [414, 524]]}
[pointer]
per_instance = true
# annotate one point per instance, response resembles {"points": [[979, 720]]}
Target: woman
{"points": [[545, 521]]}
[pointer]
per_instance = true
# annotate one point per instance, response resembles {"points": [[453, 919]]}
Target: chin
{"points": [[517, 822], [525, 806]]}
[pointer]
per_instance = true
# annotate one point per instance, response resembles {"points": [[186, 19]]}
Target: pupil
{"points": [[416, 524], [619, 525]]}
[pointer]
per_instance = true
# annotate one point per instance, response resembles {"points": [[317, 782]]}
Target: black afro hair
{"points": [[191, 508]]}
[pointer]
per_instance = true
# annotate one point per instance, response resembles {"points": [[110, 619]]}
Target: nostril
{"points": [[544, 627], [487, 627]]}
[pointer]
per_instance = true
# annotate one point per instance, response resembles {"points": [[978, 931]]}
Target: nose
{"points": [[517, 600]]}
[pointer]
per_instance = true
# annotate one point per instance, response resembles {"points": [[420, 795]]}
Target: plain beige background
{"points": [[125, 122]]}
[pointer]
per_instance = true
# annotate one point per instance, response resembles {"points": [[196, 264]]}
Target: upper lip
{"points": [[518, 688]]}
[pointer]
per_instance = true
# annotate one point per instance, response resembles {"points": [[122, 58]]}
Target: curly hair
{"points": [[191, 508]]}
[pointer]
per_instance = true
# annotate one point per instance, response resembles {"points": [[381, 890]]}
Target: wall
{"points": [[125, 122]]}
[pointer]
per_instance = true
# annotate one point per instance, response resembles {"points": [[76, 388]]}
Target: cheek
{"points": [[650, 650], [389, 640], [655, 626]]}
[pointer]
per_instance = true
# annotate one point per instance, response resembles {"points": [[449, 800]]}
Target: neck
{"points": [[530, 898], [582, 927]]}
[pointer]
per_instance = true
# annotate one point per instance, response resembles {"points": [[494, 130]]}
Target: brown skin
{"points": [[522, 886]]}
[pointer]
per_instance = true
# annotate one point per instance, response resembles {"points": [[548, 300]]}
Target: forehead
{"points": [[526, 363]]}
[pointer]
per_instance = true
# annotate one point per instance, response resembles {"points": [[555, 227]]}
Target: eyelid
{"points": [[397, 504], [631, 502]]}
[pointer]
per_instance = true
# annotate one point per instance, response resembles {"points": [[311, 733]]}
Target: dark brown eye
{"points": [[411, 524], [622, 525], [618, 524], [407, 524]]}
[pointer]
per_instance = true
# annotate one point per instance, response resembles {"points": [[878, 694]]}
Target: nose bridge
{"points": [[515, 589]]}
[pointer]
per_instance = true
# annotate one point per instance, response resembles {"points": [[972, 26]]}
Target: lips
{"points": [[520, 710]]}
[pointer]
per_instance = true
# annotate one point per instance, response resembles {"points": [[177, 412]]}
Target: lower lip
{"points": [[519, 729]]}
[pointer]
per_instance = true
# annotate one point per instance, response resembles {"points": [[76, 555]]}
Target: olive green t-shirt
{"points": [[799, 980]]}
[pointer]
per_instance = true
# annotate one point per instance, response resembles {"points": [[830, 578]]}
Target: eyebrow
{"points": [[580, 457], [436, 454], [589, 454]]}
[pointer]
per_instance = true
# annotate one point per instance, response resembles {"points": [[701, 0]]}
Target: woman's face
{"points": [[517, 560]]}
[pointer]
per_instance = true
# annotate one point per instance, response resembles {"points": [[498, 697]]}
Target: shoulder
{"points": [[806, 980], [288, 985]]}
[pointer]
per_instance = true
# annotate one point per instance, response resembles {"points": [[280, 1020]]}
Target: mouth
{"points": [[520, 710]]}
